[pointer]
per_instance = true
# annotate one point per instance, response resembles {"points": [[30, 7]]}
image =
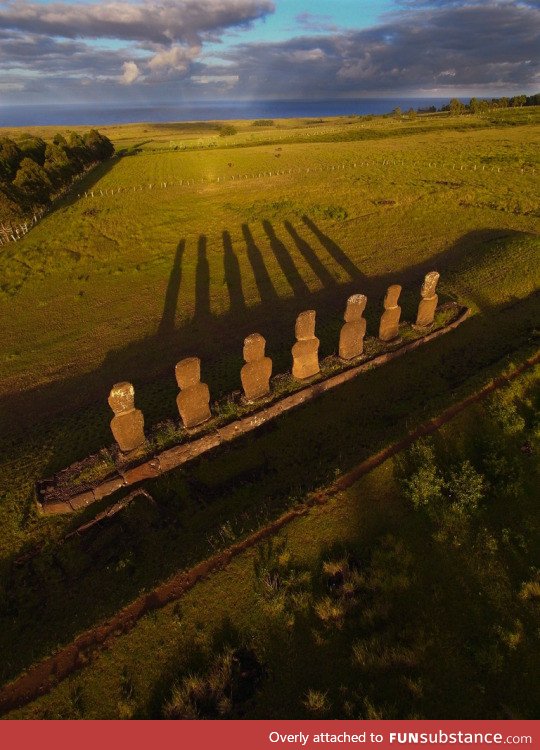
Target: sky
{"points": [[159, 51]]}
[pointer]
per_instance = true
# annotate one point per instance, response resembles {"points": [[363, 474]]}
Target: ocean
{"points": [[114, 114]]}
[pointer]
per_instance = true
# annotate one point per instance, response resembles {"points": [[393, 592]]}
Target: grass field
{"points": [[121, 286], [360, 609]]}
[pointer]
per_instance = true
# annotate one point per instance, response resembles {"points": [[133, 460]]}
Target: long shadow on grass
{"points": [[224, 496], [79, 404], [233, 277], [167, 323]]}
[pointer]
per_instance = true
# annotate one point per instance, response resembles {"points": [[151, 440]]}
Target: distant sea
{"points": [[113, 114]]}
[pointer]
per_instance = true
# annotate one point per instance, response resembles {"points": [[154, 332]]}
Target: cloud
{"points": [[158, 21], [165, 36], [315, 22], [130, 73], [481, 44], [432, 47]]}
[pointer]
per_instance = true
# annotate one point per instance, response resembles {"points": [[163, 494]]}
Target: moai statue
{"points": [[351, 339], [255, 374], [389, 327], [127, 425], [194, 397], [306, 350], [428, 303]]}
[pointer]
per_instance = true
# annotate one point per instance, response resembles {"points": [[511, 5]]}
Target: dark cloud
{"points": [[158, 21], [173, 31], [439, 46], [486, 45]]}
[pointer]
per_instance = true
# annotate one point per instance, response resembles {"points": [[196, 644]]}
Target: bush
{"points": [[424, 485], [466, 488], [263, 123], [232, 679], [317, 702], [227, 130]]}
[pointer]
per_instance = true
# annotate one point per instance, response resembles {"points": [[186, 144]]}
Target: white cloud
{"points": [[130, 73], [176, 58]]}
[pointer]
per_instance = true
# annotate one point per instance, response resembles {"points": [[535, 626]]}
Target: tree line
{"points": [[475, 105], [33, 171]]}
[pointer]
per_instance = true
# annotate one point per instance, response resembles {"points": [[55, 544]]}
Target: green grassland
{"points": [[121, 286], [363, 608]]}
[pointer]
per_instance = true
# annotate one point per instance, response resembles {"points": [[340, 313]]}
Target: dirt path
{"points": [[42, 677]]}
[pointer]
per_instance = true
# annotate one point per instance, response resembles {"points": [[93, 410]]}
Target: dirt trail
{"points": [[42, 677]]}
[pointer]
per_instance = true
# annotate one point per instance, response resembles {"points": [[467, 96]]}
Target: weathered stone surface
{"points": [[389, 326], [194, 399], [104, 489], [147, 470], [56, 507], [351, 339], [429, 301], [356, 304], [304, 329], [255, 374], [426, 312], [82, 501], [128, 423], [305, 352], [429, 286]]}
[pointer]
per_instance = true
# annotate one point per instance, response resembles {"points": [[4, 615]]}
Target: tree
{"points": [[33, 148], [99, 145], [397, 112], [57, 164], [32, 181], [421, 480], [10, 155], [518, 101], [456, 107], [466, 488]]}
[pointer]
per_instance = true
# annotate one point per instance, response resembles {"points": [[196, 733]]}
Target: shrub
{"points": [[425, 484], [263, 123], [317, 702], [466, 488], [232, 678], [330, 611], [225, 130]]}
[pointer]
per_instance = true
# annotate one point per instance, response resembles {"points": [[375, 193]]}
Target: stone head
{"points": [[392, 296], [305, 325], [122, 398], [430, 284], [355, 307], [188, 372], [254, 346]]}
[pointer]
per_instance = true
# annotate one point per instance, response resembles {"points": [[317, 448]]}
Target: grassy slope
{"points": [[447, 633], [88, 304]]}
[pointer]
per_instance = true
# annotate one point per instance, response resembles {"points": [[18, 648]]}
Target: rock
{"points": [[351, 339], [389, 326], [194, 399], [255, 374], [128, 423], [428, 303], [305, 352]]}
